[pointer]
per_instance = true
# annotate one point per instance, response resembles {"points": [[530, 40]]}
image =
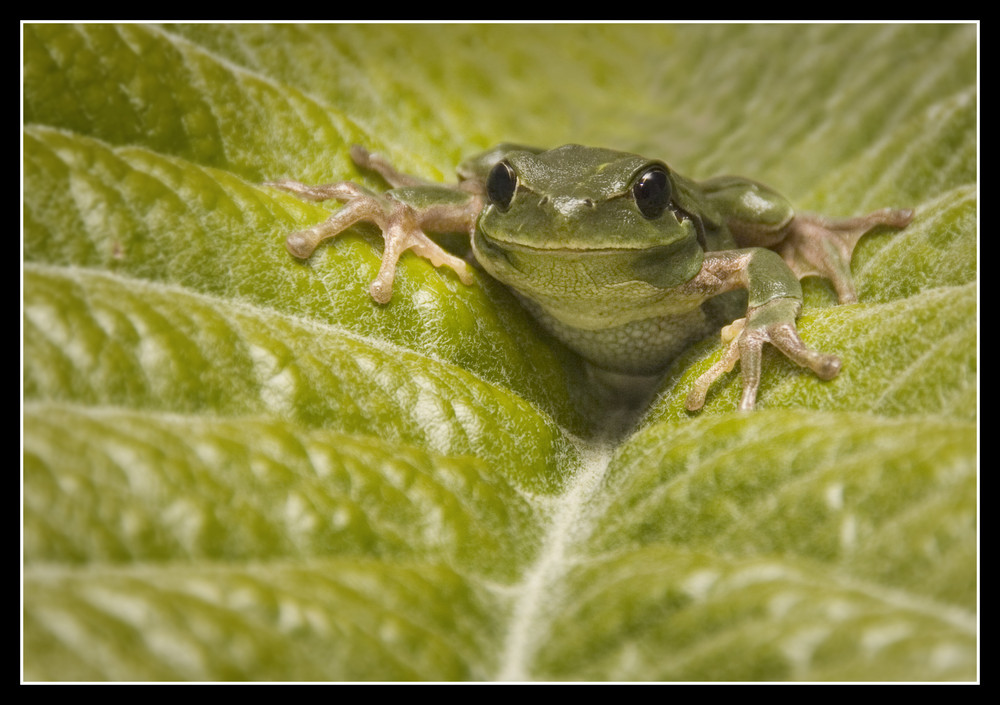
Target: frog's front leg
{"points": [[403, 215], [775, 299]]}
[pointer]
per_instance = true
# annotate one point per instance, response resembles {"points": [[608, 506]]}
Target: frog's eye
{"points": [[651, 191], [500, 185]]}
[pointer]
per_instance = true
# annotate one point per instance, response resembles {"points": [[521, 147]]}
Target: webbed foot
{"points": [[403, 225], [823, 246], [773, 323]]}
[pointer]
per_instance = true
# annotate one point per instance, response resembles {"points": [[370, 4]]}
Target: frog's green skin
{"points": [[627, 276]]}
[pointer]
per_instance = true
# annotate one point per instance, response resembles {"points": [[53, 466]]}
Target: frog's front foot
{"points": [[773, 323], [401, 225], [822, 246]]}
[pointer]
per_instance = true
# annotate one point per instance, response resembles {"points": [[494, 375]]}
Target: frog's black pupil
{"points": [[500, 185], [652, 192]]}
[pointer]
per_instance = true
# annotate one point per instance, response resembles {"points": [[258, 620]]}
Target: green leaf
{"points": [[237, 466]]}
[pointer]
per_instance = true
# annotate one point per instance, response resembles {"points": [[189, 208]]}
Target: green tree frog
{"points": [[621, 258]]}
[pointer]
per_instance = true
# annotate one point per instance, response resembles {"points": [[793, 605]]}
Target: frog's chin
{"points": [[590, 277], [573, 288]]}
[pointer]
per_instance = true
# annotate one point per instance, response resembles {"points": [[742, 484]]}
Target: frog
{"points": [[616, 255]]}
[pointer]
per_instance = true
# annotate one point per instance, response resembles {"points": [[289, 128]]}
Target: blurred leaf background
{"points": [[238, 466]]}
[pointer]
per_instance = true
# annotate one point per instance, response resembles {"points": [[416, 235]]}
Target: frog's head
{"points": [[582, 224]]}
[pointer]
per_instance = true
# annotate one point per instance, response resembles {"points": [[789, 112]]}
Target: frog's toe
{"points": [[381, 291], [300, 244], [828, 367], [786, 338], [696, 397]]}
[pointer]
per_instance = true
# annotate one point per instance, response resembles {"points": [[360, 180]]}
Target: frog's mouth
{"points": [[525, 267]]}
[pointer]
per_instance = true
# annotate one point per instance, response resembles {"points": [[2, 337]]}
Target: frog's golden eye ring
{"points": [[651, 191], [501, 185]]}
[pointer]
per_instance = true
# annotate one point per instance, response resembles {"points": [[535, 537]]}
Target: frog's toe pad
{"points": [[299, 244]]}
